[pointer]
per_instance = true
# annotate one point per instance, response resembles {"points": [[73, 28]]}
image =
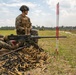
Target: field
{"points": [[65, 62]]}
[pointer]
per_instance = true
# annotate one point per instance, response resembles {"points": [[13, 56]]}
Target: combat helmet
{"points": [[24, 8]]}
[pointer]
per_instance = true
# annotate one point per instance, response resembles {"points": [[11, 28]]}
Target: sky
{"points": [[41, 13]]}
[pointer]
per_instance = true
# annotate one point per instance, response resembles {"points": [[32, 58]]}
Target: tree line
{"points": [[42, 28], [7, 28]]}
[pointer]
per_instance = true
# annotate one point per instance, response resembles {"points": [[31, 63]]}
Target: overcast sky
{"points": [[42, 12]]}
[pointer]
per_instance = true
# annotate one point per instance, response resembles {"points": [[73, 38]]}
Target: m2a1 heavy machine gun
{"points": [[28, 40]]}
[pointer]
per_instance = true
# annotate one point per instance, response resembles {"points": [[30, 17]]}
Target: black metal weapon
{"points": [[27, 40]]}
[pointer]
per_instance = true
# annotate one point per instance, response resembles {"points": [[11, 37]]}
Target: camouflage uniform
{"points": [[6, 45], [23, 24]]}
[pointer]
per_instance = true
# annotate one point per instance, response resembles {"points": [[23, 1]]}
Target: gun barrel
{"points": [[16, 37], [39, 37]]}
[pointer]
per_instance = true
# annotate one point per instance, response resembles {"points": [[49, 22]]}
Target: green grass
{"points": [[7, 32]]}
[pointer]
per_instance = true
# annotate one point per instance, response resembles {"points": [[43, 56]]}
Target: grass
{"points": [[7, 32], [67, 46], [65, 62]]}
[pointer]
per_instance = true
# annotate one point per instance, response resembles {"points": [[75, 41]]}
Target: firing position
{"points": [[7, 44]]}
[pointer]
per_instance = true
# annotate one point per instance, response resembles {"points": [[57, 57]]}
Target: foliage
{"points": [[65, 28], [7, 28]]}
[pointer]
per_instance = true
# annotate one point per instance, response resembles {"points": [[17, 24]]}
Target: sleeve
{"points": [[18, 23], [30, 24]]}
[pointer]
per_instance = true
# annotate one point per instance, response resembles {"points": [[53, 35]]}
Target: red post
{"points": [[57, 26]]}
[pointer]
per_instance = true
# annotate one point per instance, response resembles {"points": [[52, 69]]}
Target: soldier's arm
{"points": [[30, 23], [18, 23], [1, 39]]}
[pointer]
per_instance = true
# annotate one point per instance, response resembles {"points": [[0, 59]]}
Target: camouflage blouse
{"points": [[22, 22]]}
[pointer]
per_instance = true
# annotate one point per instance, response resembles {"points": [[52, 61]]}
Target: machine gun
{"points": [[27, 37], [27, 40], [30, 39]]}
